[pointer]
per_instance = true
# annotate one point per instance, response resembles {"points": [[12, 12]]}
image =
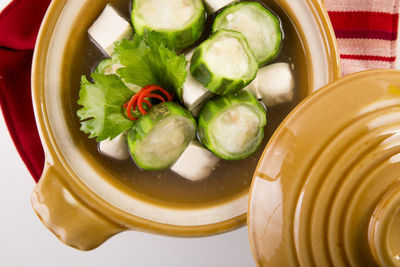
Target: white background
{"points": [[24, 241]]}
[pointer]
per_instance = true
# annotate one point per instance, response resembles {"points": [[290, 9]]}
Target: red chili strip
{"points": [[130, 105], [140, 104], [151, 88], [156, 96], [148, 103], [141, 97]]}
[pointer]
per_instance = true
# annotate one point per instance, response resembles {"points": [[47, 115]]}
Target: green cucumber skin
{"points": [[217, 84], [227, 9], [101, 67], [179, 39], [145, 123], [219, 104], [105, 63]]}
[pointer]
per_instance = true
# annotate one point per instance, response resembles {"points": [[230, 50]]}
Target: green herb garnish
{"points": [[102, 115], [147, 61]]}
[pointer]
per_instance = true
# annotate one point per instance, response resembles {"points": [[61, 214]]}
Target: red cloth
{"points": [[366, 31], [19, 25]]}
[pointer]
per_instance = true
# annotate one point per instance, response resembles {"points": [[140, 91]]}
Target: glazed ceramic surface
{"points": [[75, 197], [327, 190]]}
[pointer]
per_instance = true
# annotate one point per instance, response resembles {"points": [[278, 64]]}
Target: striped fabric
{"points": [[366, 32]]}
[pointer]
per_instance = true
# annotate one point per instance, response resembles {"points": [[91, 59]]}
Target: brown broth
{"points": [[230, 178]]}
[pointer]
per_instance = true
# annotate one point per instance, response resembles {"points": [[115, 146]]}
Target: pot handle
{"points": [[384, 229], [72, 220]]}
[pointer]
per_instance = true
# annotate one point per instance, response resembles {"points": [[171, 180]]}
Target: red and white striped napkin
{"points": [[366, 32]]}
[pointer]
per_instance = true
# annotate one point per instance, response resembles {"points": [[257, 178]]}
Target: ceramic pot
{"points": [[327, 189], [79, 201]]}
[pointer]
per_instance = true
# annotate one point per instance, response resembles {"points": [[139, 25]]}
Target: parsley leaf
{"points": [[147, 61], [102, 115]]}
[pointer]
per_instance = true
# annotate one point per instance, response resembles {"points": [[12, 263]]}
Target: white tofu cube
{"points": [[196, 111], [117, 148], [194, 93], [275, 83], [195, 163], [253, 88], [213, 6], [109, 28]]}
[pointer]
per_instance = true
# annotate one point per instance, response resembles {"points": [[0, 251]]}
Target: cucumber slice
{"points": [[232, 126], [110, 66], [261, 28], [181, 22], [224, 63], [213, 6], [160, 137], [104, 66]]}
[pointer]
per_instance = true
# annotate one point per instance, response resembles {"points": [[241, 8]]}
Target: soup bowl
{"points": [[77, 198]]}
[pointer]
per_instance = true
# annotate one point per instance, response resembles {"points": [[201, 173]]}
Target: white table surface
{"points": [[24, 241]]}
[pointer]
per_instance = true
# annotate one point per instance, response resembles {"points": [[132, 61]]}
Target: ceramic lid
{"points": [[326, 191]]}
